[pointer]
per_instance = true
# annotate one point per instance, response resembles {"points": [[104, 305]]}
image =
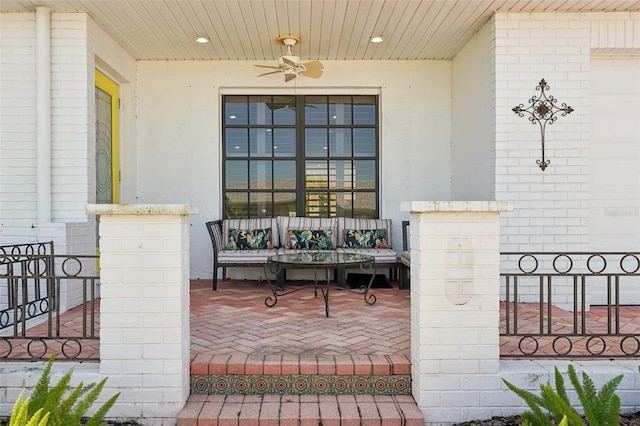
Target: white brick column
{"points": [[455, 268], [144, 308]]}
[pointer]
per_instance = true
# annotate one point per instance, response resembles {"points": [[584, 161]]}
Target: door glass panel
{"points": [[364, 142], [364, 174], [236, 176], [340, 142], [260, 176], [315, 110], [104, 177], [284, 142], [315, 142], [236, 111], [260, 142], [284, 175], [364, 110]]}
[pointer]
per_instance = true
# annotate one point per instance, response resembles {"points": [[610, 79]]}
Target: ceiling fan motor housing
{"points": [[282, 61]]}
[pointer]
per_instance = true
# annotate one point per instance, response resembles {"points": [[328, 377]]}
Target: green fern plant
{"points": [[601, 408], [20, 414], [67, 410]]}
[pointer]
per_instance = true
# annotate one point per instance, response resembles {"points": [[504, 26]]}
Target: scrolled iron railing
{"points": [[570, 304], [48, 304]]}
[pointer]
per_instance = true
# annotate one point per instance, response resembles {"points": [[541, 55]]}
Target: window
{"points": [[304, 155]]}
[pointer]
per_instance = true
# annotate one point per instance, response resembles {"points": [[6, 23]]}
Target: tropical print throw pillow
{"points": [[245, 239], [366, 238], [311, 239]]}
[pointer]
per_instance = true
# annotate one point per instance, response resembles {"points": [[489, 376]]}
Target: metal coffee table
{"points": [[322, 262]]}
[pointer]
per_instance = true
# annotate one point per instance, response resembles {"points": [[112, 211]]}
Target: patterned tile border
{"points": [[301, 384]]}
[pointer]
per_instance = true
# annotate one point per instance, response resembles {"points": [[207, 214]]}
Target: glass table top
{"points": [[328, 258]]}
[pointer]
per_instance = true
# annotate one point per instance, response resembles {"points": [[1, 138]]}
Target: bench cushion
{"points": [[245, 256], [405, 258], [251, 225], [381, 255]]}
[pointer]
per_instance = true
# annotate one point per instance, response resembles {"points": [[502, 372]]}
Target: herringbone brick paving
{"points": [[235, 319]]}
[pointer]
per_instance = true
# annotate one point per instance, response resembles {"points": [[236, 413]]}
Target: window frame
{"points": [[301, 157]]}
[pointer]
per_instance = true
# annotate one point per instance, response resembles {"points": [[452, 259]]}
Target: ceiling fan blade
{"points": [[289, 77], [270, 72], [314, 69], [267, 66]]}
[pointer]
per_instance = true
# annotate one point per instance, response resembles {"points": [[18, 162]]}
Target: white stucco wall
{"points": [[472, 120], [179, 135]]}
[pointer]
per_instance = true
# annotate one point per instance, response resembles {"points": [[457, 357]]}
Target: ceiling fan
{"points": [[290, 64]]}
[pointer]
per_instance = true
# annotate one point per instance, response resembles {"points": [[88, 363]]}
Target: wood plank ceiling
{"points": [[329, 29]]}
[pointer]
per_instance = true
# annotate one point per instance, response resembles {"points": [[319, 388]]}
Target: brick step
{"points": [[300, 410], [242, 374]]}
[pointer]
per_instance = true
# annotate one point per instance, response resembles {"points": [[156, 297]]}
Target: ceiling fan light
{"points": [[376, 39]]}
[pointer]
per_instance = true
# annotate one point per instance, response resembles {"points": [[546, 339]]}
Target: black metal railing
{"points": [[48, 304], [570, 304]]}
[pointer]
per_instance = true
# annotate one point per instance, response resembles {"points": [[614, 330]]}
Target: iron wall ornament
{"points": [[542, 109]]}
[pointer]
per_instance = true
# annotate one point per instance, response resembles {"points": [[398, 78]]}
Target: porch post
{"points": [[144, 308], [455, 283]]}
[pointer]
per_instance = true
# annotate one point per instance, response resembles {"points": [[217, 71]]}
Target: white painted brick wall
{"points": [[551, 207], [17, 128], [144, 341], [454, 286], [71, 87], [456, 372]]}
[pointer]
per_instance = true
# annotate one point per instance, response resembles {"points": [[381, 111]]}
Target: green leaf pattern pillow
{"points": [[311, 239], [244, 239], [366, 238]]}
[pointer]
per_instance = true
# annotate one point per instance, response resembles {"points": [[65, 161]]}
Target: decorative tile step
{"points": [[242, 374], [300, 410], [301, 384]]}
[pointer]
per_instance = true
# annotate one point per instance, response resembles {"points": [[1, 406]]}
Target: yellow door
{"points": [[107, 163]]}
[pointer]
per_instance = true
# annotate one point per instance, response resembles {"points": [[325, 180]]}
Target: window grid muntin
{"points": [[348, 190]]}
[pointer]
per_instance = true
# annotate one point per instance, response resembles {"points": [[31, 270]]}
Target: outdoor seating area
{"points": [[250, 242]]}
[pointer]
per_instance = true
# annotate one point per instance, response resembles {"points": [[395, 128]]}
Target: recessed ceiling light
{"points": [[376, 39], [202, 40]]}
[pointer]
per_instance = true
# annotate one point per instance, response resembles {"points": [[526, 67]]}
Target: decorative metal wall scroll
{"points": [[542, 109]]}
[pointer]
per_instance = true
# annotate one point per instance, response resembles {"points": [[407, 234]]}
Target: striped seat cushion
{"points": [[284, 250], [383, 255], [346, 223], [250, 225], [246, 256]]}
